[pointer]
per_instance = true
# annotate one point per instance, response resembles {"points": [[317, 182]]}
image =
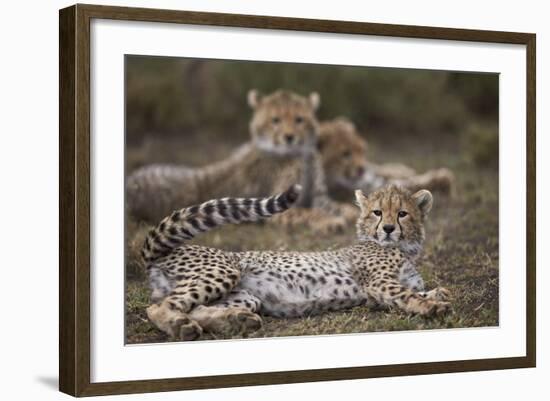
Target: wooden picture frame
{"points": [[75, 207]]}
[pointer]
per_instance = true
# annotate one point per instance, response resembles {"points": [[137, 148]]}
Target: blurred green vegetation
{"points": [[206, 98], [480, 142]]}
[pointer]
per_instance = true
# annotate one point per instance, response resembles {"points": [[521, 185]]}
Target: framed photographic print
{"points": [[251, 200]]}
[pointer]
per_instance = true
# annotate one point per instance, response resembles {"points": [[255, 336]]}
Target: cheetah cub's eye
{"points": [[346, 154], [402, 214], [377, 213], [299, 119], [275, 120]]}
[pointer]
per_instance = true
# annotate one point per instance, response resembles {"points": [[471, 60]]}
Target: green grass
{"points": [[460, 253]]}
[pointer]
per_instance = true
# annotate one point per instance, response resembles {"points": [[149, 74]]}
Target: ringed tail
{"points": [[184, 224]]}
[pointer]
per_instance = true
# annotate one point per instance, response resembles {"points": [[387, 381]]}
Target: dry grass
{"points": [[461, 254]]}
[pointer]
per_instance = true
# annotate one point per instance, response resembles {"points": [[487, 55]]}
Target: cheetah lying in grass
{"points": [[343, 151], [343, 154], [281, 151], [197, 288]]}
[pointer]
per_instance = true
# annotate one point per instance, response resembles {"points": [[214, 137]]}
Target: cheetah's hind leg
{"points": [[194, 287], [437, 294], [170, 319], [236, 313]]}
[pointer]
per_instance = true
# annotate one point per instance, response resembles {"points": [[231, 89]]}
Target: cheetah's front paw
{"points": [[429, 307], [435, 308], [438, 294]]}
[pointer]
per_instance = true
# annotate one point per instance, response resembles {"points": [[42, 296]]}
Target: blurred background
{"points": [[199, 101], [195, 112]]}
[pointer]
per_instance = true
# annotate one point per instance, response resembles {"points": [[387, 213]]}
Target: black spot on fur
{"points": [[195, 224], [258, 208], [271, 206], [222, 210], [291, 195], [208, 222], [208, 209]]}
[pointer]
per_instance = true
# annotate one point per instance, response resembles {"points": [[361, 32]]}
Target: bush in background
{"points": [[170, 96], [481, 145]]}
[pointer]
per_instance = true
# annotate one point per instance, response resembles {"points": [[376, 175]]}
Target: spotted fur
{"points": [[199, 288]]}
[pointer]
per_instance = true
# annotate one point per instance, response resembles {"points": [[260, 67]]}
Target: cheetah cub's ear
{"points": [[424, 201], [360, 199], [254, 98], [345, 123], [314, 100]]}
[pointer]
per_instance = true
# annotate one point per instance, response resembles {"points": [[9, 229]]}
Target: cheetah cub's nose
{"points": [[388, 228], [289, 138]]}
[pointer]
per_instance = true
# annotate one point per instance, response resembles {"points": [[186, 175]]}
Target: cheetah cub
{"points": [[196, 288]]}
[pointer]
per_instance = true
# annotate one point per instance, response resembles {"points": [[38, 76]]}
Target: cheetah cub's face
{"points": [[343, 151], [392, 216], [283, 122]]}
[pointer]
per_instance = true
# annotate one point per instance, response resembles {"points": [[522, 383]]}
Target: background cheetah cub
{"points": [[198, 288], [344, 154], [281, 151]]}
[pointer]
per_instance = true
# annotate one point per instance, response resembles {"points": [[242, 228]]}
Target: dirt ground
{"points": [[460, 252]]}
